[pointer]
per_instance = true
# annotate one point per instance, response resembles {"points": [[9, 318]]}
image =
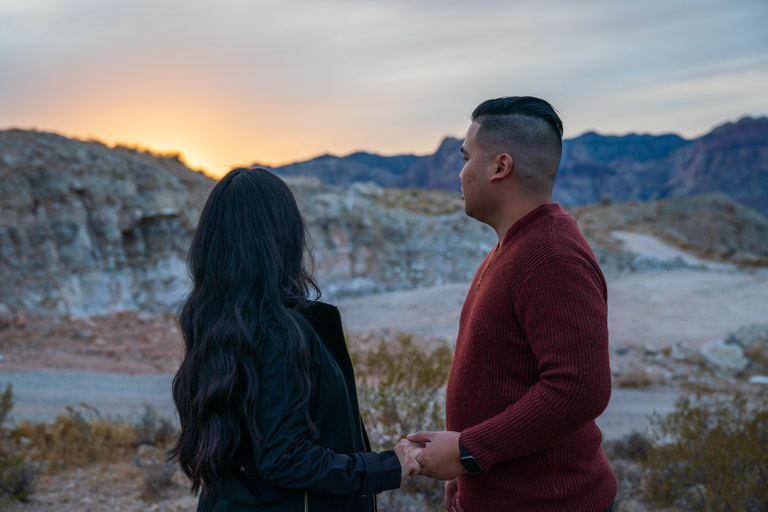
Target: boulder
{"points": [[753, 339], [725, 359]]}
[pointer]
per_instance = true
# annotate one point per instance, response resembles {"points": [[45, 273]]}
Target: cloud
{"points": [[287, 79]]}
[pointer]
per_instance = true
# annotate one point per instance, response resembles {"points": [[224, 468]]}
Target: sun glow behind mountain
{"points": [[235, 82]]}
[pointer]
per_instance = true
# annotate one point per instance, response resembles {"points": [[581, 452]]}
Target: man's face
{"points": [[473, 176]]}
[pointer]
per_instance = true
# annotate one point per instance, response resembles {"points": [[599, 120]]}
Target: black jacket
{"points": [[288, 471]]}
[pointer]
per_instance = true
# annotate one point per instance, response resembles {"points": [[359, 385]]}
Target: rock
{"points": [[82, 335], [6, 317], [678, 353], [726, 359], [144, 317], [747, 336], [758, 379], [86, 229], [650, 351], [754, 340], [620, 351]]}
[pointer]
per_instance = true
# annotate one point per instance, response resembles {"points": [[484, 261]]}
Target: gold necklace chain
{"points": [[485, 268]]}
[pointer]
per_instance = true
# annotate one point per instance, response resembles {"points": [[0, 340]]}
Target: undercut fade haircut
{"points": [[530, 130]]}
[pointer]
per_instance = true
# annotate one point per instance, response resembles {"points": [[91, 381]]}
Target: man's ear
{"points": [[504, 167]]}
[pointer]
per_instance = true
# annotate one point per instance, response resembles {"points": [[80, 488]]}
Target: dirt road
{"points": [[40, 396], [657, 309]]}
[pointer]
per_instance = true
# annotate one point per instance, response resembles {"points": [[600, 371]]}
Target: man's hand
{"points": [[452, 496], [440, 457]]}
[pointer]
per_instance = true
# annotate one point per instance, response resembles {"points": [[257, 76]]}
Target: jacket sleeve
{"points": [[563, 312], [285, 455]]}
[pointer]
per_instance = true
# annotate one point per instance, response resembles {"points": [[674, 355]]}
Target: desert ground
{"points": [[103, 363]]}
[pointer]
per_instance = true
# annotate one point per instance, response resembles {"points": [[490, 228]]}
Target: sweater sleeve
{"points": [[563, 313], [286, 456]]}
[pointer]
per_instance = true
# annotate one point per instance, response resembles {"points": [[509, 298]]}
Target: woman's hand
{"points": [[452, 496], [407, 452]]}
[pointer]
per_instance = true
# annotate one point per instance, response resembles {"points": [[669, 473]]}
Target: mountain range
{"points": [[732, 159]]}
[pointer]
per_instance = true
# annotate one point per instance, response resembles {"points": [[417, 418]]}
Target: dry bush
{"points": [[17, 474], [158, 478], [402, 391], [638, 377], [153, 430], [633, 447], [710, 455], [758, 354], [72, 441]]}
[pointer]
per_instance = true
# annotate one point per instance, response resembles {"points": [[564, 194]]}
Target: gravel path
{"points": [[41, 396], [648, 308]]}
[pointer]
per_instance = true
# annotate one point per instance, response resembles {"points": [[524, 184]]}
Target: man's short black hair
{"points": [[527, 128], [523, 106]]}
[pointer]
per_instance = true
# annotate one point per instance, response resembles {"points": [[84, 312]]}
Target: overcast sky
{"points": [[237, 81]]}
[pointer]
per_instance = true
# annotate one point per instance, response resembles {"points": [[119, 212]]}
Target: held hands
{"points": [[407, 452], [440, 457]]}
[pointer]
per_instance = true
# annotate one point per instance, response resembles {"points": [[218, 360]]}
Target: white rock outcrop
{"points": [[726, 359]]}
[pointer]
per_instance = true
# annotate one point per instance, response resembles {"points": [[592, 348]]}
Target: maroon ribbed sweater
{"points": [[531, 373]]}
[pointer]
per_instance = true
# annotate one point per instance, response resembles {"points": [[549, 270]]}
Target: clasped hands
{"points": [[431, 454]]}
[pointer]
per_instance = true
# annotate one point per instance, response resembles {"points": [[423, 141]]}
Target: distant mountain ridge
{"points": [[732, 159]]}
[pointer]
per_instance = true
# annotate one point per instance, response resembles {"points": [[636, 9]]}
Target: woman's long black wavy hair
{"points": [[248, 265]]}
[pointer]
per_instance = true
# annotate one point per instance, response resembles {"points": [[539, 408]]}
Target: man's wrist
{"points": [[468, 461]]}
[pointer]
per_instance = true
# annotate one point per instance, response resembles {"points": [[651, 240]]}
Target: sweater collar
{"points": [[531, 217]]}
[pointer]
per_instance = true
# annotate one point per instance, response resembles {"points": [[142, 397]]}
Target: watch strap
{"points": [[468, 461]]}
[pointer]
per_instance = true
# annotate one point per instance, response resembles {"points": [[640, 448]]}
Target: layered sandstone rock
{"points": [[86, 229]]}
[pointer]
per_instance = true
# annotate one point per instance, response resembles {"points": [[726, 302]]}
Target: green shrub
{"points": [[17, 474], [710, 455], [402, 390]]}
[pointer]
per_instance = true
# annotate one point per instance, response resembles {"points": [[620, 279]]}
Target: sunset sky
{"points": [[238, 81]]}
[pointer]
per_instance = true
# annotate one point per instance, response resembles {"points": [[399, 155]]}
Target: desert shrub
{"points": [[157, 479], [632, 447], [710, 455], [74, 441], [17, 474], [153, 430], [402, 391]]}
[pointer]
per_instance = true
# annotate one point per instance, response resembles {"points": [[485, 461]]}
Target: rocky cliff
{"points": [[86, 229]]}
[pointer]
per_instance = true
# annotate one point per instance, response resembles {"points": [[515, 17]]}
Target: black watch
{"points": [[468, 461]]}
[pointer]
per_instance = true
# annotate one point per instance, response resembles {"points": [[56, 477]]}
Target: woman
{"points": [[265, 392]]}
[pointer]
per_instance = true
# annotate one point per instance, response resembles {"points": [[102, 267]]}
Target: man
{"points": [[531, 371]]}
